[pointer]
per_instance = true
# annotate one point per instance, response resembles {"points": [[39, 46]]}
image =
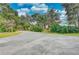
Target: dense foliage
{"points": [[10, 21], [36, 28], [72, 10], [63, 29]]}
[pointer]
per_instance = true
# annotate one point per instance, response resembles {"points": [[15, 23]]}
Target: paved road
{"points": [[33, 43]]}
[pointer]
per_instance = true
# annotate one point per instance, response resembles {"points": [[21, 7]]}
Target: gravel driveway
{"points": [[33, 43]]}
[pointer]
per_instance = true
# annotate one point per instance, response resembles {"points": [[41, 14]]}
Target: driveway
{"points": [[33, 43]]}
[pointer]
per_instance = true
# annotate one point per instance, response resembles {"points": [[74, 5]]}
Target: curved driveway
{"points": [[33, 43]]}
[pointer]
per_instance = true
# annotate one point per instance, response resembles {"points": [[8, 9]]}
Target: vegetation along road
{"points": [[34, 43]]}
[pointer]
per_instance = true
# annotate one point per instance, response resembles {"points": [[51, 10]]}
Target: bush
{"points": [[26, 26], [63, 29], [5, 29], [2, 29], [55, 27], [36, 28], [69, 29]]}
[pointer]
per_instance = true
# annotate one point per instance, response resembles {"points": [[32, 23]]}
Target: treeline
{"points": [[9, 20]]}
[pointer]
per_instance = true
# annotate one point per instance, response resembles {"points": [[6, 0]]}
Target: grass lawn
{"points": [[66, 34], [7, 34], [72, 34]]}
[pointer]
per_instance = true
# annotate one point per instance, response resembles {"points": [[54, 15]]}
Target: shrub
{"points": [[54, 27], [36, 28], [63, 29], [2, 29], [19, 27], [69, 29], [26, 26]]}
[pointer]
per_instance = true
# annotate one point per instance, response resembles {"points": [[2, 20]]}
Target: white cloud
{"points": [[20, 4], [43, 6], [23, 11], [36, 8], [35, 4], [62, 11], [63, 16], [39, 8]]}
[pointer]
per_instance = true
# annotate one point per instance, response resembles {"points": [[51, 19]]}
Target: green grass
{"points": [[66, 34], [7, 34], [72, 34]]}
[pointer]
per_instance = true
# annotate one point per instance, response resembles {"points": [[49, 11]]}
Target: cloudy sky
{"points": [[30, 8], [41, 8]]}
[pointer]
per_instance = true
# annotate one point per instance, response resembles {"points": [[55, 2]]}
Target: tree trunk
{"points": [[78, 18], [78, 21]]}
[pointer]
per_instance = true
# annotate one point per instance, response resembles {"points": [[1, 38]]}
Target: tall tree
{"points": [[72, 10], [9, 16], [52, 16]]}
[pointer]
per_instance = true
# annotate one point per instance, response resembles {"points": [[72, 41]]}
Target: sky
{"points": [[32, 8], [40, 8]]}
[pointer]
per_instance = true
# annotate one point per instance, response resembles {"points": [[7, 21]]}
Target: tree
{"points": [[52, 16], [72, 13], [9, 16], [40, 19]]}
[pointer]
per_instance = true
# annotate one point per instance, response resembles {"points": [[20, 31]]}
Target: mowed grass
{"points": [[65, 34], [7, 34], [72, 34]]}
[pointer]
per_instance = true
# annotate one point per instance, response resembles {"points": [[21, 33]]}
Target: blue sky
{"points": [[29, 5], [32, 8], [41, 8]]}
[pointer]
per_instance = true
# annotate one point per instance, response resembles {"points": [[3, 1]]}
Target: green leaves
{"points": [[54, 27], [7, 18], [36, 28], [63, 29]]}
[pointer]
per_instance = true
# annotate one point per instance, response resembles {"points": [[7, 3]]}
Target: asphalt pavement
{"points": [[36, 43]]}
